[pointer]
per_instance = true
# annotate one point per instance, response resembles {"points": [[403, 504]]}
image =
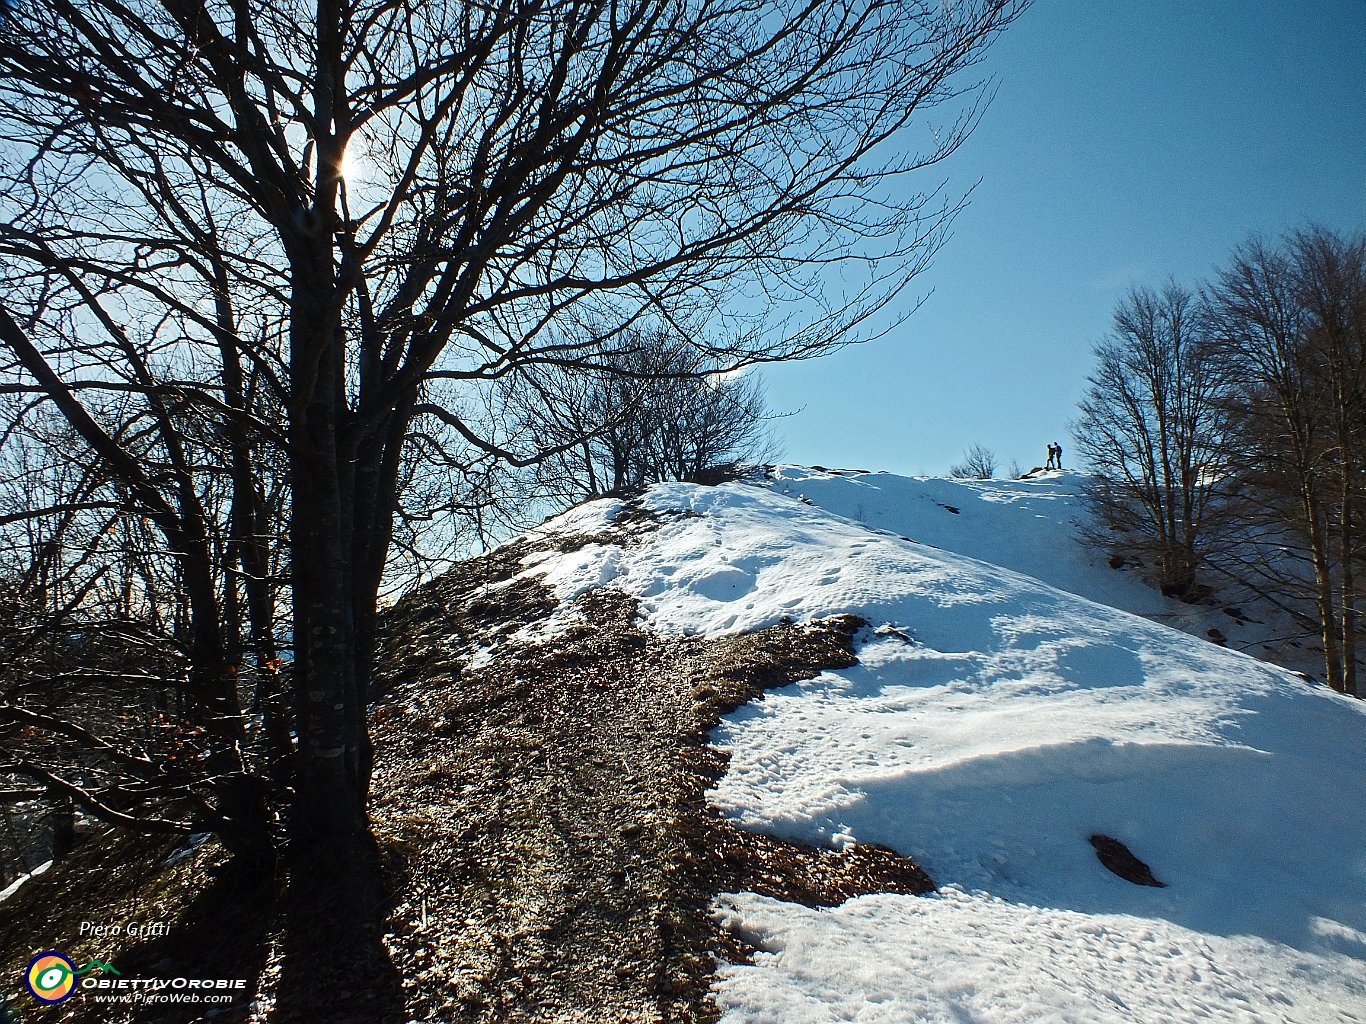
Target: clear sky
{"points": [[1128, 142]]}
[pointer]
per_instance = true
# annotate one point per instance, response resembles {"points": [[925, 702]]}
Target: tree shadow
{"points": [[334, 965], [223, 933], [322, 916]]}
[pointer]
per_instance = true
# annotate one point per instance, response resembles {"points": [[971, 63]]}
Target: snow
{"points": [[1031, 526], [957, 956], [192, 846], [14, 886], [1037, 527], [995, 720]]}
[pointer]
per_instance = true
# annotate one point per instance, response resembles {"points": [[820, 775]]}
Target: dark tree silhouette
{"points": [[652, 411], [240, 234]]}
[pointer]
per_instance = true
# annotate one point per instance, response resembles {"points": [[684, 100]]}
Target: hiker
{"points": [[1057, 455], [1049, 463]]}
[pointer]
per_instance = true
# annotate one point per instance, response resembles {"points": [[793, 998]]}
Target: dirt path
{"points": [[544, 822], [558, 859]]}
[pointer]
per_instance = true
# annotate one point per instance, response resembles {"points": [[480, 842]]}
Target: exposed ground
{"points": [[543, 820]]}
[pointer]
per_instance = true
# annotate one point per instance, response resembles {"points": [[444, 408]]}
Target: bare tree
{"points": [[308, 229], [1290, 321], [85, 689], [1330, 278], [979, 463], [1151, 428], [655, 411], [83, 561]]}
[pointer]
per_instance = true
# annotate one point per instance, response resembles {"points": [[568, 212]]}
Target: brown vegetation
{"points": [[542, 821]]}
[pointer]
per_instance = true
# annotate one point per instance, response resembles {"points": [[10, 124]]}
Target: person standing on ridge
{"points": [[1049, 463], [1057, 455]]}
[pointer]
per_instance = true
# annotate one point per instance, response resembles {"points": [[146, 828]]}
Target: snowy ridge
{"points": [[993, 723], [1030, 526], [1035, 527]]}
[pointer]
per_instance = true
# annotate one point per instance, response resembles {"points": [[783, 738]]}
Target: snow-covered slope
{"points": [[1030, 526], [1035, 526], [992, 725]]}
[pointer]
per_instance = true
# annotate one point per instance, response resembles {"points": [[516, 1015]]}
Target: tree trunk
{"points": [[1323, 580], [330, 800], [1347, 539], [377, 464]]}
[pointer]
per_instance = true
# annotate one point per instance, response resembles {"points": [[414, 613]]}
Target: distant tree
{"points": [[979, 463], [654, 409], [1290, 324], [1151, 430]]}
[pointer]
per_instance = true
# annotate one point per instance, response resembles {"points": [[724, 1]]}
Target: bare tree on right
{"points": [[1290, 325], [1151, 427]]}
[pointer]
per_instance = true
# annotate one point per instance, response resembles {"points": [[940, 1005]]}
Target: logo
{"points": [[51, 977]]}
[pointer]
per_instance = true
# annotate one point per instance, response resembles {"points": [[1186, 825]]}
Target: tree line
{"points": [[1226, 425]]}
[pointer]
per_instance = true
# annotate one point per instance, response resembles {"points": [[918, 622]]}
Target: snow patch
{"points": [[14, 886]]}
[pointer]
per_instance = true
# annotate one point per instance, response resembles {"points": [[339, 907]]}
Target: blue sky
{"points": [[1128, 142]]}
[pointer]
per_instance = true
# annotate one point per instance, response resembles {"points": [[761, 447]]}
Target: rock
{"points": [[1115, 856]]}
